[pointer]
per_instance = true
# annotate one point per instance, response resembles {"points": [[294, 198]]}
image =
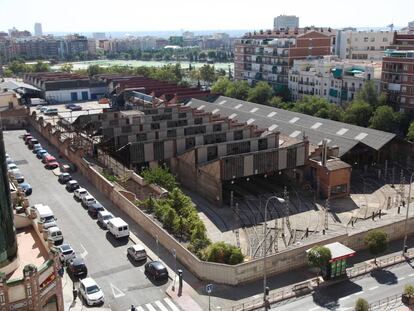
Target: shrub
{"points": [[160, 176], [409, 290], [236, 256], [224, 253], [169, 217], [361, 305]]}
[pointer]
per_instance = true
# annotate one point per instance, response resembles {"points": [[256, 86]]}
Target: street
{"points": [[342, 296], [122, 281]]}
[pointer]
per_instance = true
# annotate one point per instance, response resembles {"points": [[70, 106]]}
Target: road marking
{"points": [[161, 306], [372, 288], [359, 293], [150, 307], [171, 304], [84, 253], [139, 309], [344, 298], [412, 274], [313, 309], [116, 291], [401, 278]]}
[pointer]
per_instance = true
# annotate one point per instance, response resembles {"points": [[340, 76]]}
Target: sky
{"points": [[172, 15]]}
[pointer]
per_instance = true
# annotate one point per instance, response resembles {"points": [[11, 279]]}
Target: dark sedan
{"points": [[27, 189], [156, 270], [77, 268], [95, 208], [64, 178], [72, 185]]}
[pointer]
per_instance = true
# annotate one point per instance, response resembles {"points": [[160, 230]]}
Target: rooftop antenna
{"points": [[391, 27]]}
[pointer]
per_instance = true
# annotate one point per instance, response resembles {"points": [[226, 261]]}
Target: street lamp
{"points": [[265, 291], [406, 215]]}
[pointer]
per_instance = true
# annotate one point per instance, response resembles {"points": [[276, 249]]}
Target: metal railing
{"points": [[387, 303]]}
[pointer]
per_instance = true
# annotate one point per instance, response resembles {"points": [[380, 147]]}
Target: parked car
{"points": [[77, 268], [103, 218], [39, 107], [64, 178], [156, 270], [75, 107], [88, 200], [27, 138], [48, 158], [66, 253], [27, 189], [43, 109], [50, 111], [54, 234], [45, 156], [90, 292], [137, 252], [68, 105], [12, 166], [25, 135], [17, 175], [8, 159], [52, 165], [36, 148], [79, 193], [32, 142], [72, 185], [40, 153], [95, 208]]}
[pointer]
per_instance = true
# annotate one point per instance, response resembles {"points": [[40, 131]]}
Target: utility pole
{"points": [[402, 188], [327, 209]]}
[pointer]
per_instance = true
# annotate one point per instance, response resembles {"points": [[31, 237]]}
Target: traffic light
{"points": [[267, 290]]}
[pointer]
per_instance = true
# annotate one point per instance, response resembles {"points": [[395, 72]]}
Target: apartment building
{"points": [[336, 80], [369, 45], [397, 79], [268, 55], [283, 22]]}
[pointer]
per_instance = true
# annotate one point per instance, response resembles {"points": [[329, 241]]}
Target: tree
{"points": [[41, 67], [224, 253], [410, 134], [358, 113], [221, 86], [369, 95], [409, 290], [385, 119], [377, 242], [260, 93], [67, 67], [238, 90], [178, 200], [319, 256], [94, 70], [161, 176], [169, 218], [361, 305], [207, 74], [276, 102]]}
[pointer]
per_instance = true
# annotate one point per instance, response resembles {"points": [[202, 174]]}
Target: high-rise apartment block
{"points": [[38, 32], [99, 35], [362, 44], [283, 22], [398, 73], [329, 77], [268, 55]]}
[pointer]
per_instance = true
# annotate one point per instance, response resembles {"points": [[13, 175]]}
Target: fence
{"points": [[388, 303]]}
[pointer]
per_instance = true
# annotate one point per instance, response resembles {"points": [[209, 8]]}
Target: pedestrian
{"points": [[133, 308], [74, 292]]}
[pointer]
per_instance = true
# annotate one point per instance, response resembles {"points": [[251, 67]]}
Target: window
{"points": [[339, 189], [405, 78], [385, 39], [402, 100], [356, 39], [366, 39], [198, 120], [405, 67], [373, 39]]}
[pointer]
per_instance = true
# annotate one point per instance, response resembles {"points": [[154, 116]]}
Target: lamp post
{"points": [[406, 215], [265, 291]]}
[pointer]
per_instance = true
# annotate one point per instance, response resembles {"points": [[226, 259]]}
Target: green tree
{"points": [[260, 93], [361, 305], [238, 90], [319, 256], [178, 200], [358, 113], [41, 67], [224, 253], [409, 290], [169, 218], [67, 67], [7, 73], [385, 119], [377, 242], [94, 70], [207, 74], [369, 95], [160, 176], [221, 86], [276, 102], [18, 67], [410, 134]]}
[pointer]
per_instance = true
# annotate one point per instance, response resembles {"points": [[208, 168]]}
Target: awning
{"points": [[339, 251]]}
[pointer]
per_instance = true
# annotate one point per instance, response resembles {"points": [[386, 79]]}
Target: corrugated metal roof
{"points": [[289, 122], [13, 85]]}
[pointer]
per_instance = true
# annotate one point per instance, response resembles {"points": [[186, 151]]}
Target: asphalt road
{"points": [[122, 281], [378, 285]]}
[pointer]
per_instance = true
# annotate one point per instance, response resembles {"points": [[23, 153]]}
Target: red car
{"points": [[27, 139], [52, 165]]}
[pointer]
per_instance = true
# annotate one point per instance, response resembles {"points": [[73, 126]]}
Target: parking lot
{"points": [[122, 281]]}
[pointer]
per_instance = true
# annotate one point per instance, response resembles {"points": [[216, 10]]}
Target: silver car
{"points": [[104, 217]]}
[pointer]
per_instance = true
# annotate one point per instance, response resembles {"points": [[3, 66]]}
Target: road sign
{"points": [[209, 288]]}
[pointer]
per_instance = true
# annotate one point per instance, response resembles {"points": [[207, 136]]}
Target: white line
{"points": [[313, 309], [140, 309], [412, 274], [359, 293], [372, 288], [171, 304], [150, 307], [344, 298], [401, 278], [161, 306]]}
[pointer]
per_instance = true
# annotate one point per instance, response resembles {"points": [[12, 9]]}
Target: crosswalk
{"points": [[160, 305]]}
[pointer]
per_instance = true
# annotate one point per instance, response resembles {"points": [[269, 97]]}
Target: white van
{"points": [[54, 234], [44, 215], [118, 227]]}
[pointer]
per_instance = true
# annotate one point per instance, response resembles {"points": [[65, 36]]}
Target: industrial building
{"points": [[60, 87]]}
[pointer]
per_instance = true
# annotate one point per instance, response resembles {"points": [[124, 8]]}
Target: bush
{"points": [[236, 256], [160, 176], [409, 290], [222, 252], [168, 218], [361, 305]]}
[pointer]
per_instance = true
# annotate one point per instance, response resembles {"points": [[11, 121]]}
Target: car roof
{"points": [[138, 247], [25, 184], [78, 261], [65, 247], [105, 212], [97, 204], [88, 282], [89, 196], [51, 229], [157, 264], [65, 174], [72, 181]]}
